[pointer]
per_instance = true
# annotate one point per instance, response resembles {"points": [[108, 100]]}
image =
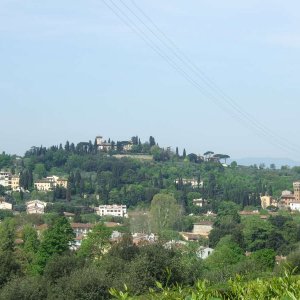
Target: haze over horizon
{"points": [[73, 70]]}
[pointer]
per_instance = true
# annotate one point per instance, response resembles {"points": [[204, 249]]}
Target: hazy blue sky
{"points": [[72, 70]]}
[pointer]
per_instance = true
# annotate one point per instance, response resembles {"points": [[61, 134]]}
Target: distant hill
{"points": [[248, 161]]}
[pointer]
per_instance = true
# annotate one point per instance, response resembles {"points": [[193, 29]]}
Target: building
{"points": [[192, 182], [266, 201], [69, 216], [44, 185], [199, 202], [204, 252], [296, 186], [35, 207], [189, 236], [295, 205], [102, 145], [126, 145], [5, 205], [10, 181], [49, 183], [62, 182], [203, 228], [112, 210], [15, 183], [286, 198], [5, 178], [81, 230]]}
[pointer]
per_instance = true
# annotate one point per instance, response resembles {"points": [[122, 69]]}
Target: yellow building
{"points": [[15, 183], [265, 201], [62, 182], [44, 185]]}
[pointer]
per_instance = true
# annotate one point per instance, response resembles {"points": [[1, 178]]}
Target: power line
{"points": [[237, 113], [205, 78]]}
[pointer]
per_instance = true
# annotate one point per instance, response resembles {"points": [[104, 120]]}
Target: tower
{"points": [[296, 186], [99, 140]]}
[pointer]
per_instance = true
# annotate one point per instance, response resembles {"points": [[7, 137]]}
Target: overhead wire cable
{"points": [[131, 24], [194, 68]]}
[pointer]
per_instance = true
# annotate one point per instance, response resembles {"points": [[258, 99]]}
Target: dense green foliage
{"points": [[38, 263]]}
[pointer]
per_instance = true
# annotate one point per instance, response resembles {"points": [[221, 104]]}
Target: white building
{"points": [[112, 210], [5, 205], [9, 180], [198, 202], [192, 182], [295, 205], [35, 207], [204, 252], [81, 230], [102, 145], [5, 178]]}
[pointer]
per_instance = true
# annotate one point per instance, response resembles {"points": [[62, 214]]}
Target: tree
{"points": [[40, 170], [164, 212], [184, 154], [8, 264], [30, 245], [193, 157], [96, 243], [152, 141], [233, 164], [56, 240], [256, 233], [226, 253], [264, 259], [208, 154]]}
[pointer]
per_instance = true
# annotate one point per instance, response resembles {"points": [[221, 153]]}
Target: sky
{"points": [[71, 70]]}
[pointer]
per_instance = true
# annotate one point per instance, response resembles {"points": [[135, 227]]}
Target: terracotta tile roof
{"points": [[68, 214], [204, 223], [111, 224], [82, 225]]}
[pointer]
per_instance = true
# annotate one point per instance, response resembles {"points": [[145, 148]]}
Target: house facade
{"points": [[81, 230], [193, 182], [266, 201], [49, 183], [199, 202], [35, 207], [112, 210], [203, 228], [204, 252], [295, 205], [9, 180], [5, 205]]}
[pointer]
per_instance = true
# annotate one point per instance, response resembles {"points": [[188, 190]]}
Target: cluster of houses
{"points": [[288, 200], [12, 182]]}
